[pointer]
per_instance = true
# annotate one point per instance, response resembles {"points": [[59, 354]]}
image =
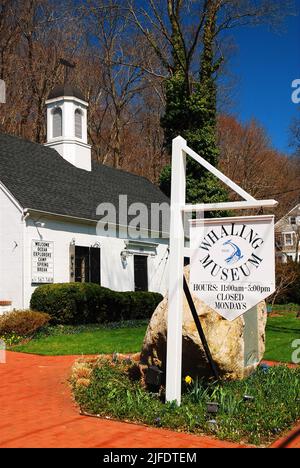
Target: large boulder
{"points": [[237, 347]]}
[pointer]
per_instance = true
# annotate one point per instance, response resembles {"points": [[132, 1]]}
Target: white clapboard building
{"points": [[288, 236], [49, 195]]}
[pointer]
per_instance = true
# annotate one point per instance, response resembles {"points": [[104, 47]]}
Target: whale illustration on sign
{"points": [[236, 255]]}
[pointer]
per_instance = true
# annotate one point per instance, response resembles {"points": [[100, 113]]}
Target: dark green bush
{"points": [[23, 322], [82, 303]]}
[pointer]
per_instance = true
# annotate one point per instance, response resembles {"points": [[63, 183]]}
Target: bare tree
{"points": [[48, 33], [286, 275], [176, 42], [44, 32], [119, 103], [9, 33], [248, 158]]}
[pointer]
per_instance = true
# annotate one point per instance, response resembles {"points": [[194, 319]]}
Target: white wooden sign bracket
{"points": [[180, 150]]}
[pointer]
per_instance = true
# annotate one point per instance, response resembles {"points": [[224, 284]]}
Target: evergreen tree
{"points": [[191, 111]]}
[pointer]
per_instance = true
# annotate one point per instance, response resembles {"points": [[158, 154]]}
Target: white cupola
{"points": [[67, 126]]}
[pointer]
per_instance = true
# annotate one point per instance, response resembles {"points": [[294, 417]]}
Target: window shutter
{"points": [[57, 123], [78, 124], [95, 262], [141, 272]]}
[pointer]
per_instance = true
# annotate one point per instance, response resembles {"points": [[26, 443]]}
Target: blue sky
{"points": [[265, 65]]}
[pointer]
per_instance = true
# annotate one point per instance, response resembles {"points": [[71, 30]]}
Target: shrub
{"points": [[133, 305], [83, 303], [72, 303], [22, 323]]}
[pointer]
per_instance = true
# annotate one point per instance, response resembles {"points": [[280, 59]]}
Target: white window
{"points": [[288, 240], [57, 122], [293, 221], [78, 123]]}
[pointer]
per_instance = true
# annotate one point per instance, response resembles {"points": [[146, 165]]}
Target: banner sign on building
{"points": [[233, 263], [42, 262]]}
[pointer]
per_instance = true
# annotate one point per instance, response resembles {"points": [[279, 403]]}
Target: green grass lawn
{"points": [[128, 338], [281, 332], [87, 340]]}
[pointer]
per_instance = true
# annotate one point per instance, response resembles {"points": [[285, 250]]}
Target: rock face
{"points": [[237, 347]]}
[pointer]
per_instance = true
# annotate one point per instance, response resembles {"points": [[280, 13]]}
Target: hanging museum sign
{"points": [[42, 260], [233, 263]]}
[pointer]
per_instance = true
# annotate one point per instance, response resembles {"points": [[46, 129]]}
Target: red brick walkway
{"points": [[36, 410]]}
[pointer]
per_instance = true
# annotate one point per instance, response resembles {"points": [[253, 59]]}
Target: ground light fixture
{"points": [[212, 411], [212, 424], [265, 368], [115, 357], [212, 407], [249, 399], [154, 376]]}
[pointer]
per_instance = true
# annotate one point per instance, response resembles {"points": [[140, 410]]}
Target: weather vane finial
{"points": [[68, 66]]}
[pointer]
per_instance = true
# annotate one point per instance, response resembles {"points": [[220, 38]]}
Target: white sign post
{"points": [[255, 287], [42, 262]]}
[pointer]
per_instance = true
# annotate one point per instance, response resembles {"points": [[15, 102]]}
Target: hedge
{"points": [[82, 303], [22, 322]]}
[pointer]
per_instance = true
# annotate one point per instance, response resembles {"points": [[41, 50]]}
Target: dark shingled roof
{"points": [[40, 179], [66, 90]]}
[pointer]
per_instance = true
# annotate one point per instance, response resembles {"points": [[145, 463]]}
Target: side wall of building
{"points": [[115, 274], [11, 250]]}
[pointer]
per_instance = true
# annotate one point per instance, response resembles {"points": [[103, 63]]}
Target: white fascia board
{"points": [[70, 218], [66, 98]]}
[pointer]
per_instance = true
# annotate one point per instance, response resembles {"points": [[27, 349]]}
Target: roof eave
{"points": [[70, 218], [66, 98]]}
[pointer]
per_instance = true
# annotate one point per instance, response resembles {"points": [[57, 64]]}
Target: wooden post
{"points": [[175, 311]]}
